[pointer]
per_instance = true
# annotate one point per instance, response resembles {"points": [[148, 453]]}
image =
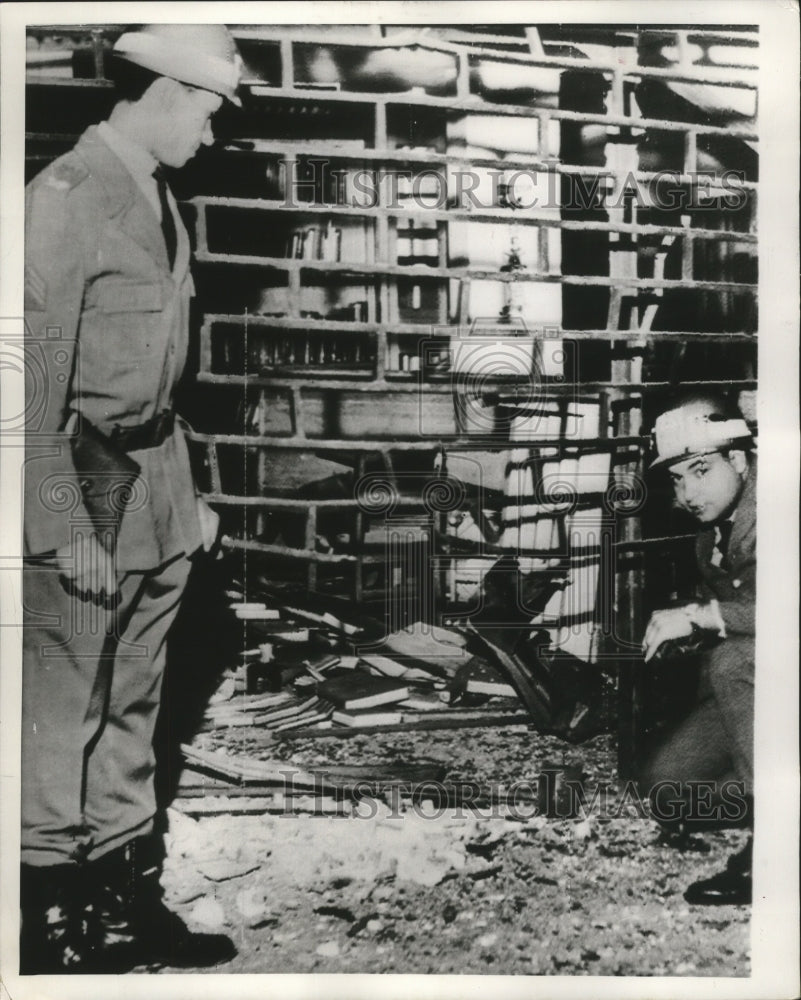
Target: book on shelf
{"points": [[362, 690], [311, 244], [331, 245], [583, 419], [315, 243], [359, 718]]}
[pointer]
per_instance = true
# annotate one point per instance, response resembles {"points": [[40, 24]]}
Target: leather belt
{"points": [[150, 434]]}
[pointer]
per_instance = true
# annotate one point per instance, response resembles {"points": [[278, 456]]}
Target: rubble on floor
{"points": [[399, 848], [399, 886]]}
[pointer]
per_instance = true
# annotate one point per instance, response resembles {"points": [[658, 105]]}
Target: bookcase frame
{"points": [[633, 297]]}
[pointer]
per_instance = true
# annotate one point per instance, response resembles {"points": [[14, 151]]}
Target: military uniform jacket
{"points": [[735, 587], [107, 326]]}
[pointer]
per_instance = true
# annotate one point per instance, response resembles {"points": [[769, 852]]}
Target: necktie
{"points": [[167, 220], [725, 528]]}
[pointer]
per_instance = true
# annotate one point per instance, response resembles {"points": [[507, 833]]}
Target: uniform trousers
{"points": [[714, 743], [91, 690]]}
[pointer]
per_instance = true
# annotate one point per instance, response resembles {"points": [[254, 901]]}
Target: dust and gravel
{"points": [[401, 885]]}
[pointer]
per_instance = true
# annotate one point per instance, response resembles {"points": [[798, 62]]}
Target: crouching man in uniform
{"points": [[108, 289], [706, 448]]}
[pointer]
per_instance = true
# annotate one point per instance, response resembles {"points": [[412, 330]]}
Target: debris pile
{"points": [[307, 662], [451, 893]]}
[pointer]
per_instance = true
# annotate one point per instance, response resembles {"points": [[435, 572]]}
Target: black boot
{"points": [[136, 927], [731, 887], [58, 933]]}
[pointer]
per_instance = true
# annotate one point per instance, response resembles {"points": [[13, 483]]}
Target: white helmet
{"points": [[202, 55], [698, 427]]}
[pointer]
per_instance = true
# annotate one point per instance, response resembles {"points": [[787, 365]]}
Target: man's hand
{"points": [[209, 524], [671, 623], [88, 568]]}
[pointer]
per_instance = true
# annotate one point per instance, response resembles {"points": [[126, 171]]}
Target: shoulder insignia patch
{"points": [[67, 173]]}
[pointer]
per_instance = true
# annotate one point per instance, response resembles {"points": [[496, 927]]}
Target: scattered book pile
{"points": [[299, 669]]}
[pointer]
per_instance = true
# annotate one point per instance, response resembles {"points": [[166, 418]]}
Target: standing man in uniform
{"points": [[108, 290], [706, 448]]}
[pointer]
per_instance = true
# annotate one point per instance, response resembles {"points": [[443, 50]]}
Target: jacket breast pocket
{"points": [[131, 318]]}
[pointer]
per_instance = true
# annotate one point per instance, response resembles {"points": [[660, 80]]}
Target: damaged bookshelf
{"points": [[442, 291]]}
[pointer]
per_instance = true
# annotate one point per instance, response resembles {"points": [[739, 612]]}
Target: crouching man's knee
{"points": [[731, 664]]}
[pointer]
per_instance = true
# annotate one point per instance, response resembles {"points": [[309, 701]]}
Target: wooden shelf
{"points": [[473, 104], [424, 157], [455, 442], [424, 271], [403, 382], [689, 264], [424, 331], [521, 216]]}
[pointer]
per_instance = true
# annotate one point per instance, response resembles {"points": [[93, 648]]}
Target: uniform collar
{"points": [[139, 163], [135, 157], [125, 200]]}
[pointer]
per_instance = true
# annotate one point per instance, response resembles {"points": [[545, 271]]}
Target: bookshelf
{"points": [[419, 257]]}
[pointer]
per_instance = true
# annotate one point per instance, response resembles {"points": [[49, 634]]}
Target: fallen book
{"points": [[423, 701], [291, 710], [359, 718], [244, 769], [278, 631], [250, 703], [436, 650], [451, 719], [324, 618], [362, 690], [257, 703], [294, 709], [477, 676], [392, 668], [253, 611], [493, 688], [320, 658], [338, 613], [318, 712]]}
